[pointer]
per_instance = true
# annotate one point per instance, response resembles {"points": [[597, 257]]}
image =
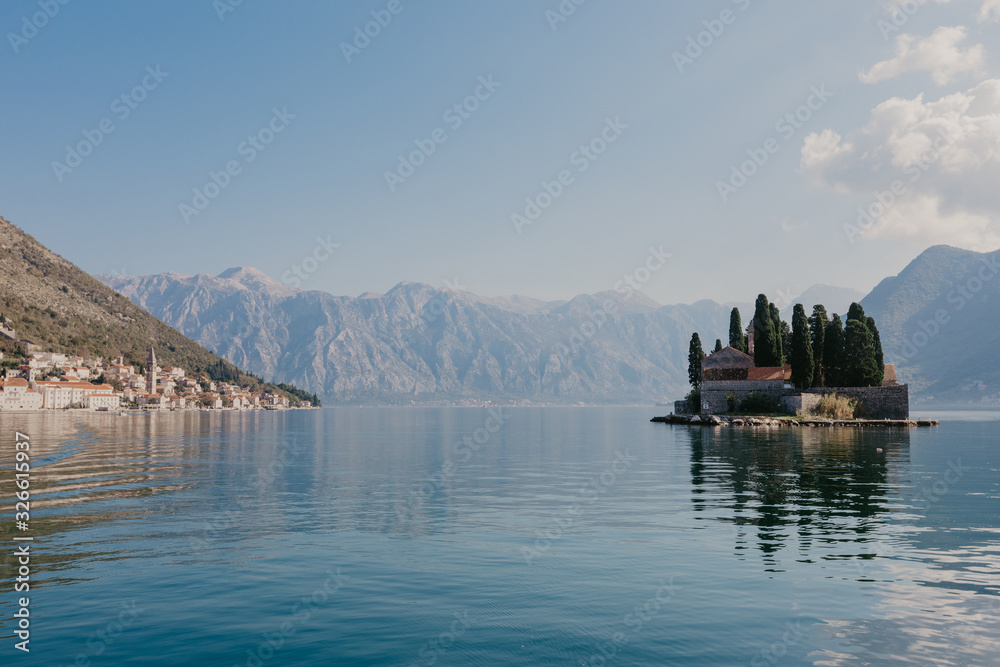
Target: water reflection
{"points": [[98, 470], [860, 534], [853, 503], [805, 487]]}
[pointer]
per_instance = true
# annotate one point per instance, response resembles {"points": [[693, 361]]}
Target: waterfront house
{"points": [[16, 394]]}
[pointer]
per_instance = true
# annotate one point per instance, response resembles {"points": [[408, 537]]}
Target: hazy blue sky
{"points": [[555, 86]]}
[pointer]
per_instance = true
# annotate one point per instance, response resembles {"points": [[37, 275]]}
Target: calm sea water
{"points": [[561, 537]]}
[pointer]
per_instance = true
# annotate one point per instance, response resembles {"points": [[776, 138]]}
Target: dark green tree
{"points": [[718, 345], [803, 365], [817, 327], [879, 355], [860, 366], [783, 334], [856, 312], [695, 355], [786, 343], [859, 355], [766, 352], [833, 352], [737, 339]]}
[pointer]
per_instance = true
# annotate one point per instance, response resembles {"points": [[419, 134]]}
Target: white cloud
{"points": [[940, 54], [990, 11], [950, 194], [921, 218]]}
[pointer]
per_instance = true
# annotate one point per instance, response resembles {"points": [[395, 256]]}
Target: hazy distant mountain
{"points": [[420, 343], [940, 323], [836, 300]]}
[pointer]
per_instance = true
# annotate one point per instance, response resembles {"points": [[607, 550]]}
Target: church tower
{"points": [[151, 372]]}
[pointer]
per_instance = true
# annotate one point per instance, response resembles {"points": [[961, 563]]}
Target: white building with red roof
{"points": [[59, 395], [16, 394]]}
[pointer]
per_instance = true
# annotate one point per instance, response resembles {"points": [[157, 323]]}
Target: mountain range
{"points": [[418, 343], [940, 323]]}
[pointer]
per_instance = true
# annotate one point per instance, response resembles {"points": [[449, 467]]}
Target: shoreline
{"points": [[791, 422], [129, 412]]}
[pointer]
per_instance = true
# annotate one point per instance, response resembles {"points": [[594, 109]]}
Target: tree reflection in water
{"points": [[824, 489]]}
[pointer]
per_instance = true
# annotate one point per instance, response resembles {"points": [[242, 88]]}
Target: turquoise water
{"points": [[575, 536]]}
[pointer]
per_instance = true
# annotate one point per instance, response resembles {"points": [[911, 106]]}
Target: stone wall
{"points": [[715, 395], [891, 402], [744, 385], [792, 404], [682, 408]]}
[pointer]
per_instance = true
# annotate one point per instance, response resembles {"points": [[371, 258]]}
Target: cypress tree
{"points": [[695, 355], [879, 355], [803, 364], [833, 352], [856, 312], [817, 326], [765, 337], [860, 367], [780, 347], [859, 354], [786, 343], [718, 345], [737, 339]]}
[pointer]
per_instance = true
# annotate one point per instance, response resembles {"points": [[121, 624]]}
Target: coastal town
{"points": [[54, 381]]}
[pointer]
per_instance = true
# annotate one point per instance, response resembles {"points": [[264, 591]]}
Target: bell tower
{"points": [[151, 372]]}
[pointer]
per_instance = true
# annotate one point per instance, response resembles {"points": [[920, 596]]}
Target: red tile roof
{"points": [[765, 373]]}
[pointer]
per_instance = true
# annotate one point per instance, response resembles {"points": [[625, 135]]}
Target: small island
{"points": [[818, 372]]}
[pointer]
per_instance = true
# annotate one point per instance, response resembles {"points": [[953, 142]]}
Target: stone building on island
{"points": [[730, 376]]}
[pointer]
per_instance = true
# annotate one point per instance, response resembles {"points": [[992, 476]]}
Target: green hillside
{"points": [[59, 307]]}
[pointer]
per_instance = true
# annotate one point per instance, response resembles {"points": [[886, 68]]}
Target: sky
{"points": [[710, 150]]}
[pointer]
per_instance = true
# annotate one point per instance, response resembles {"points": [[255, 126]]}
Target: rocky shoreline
{"points": [[789, 422]]}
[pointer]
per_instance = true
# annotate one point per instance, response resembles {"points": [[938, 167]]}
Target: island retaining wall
{"points": [[890, 402]]}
